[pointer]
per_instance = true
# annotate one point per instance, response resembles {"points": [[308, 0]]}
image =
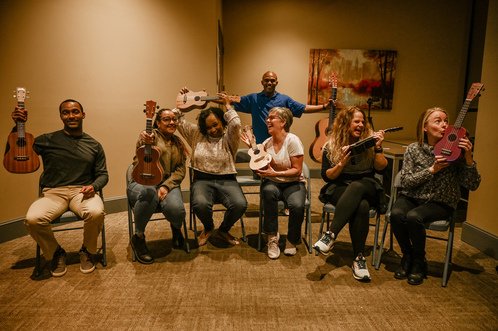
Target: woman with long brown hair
{"points": [[351, 185]]}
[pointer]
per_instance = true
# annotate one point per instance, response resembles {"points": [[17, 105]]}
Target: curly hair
{"points": [[339, 136], [201, 120]]}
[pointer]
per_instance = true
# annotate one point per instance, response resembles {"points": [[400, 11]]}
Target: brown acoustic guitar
{"points": [[20, 158], [148, 170], [190, 100], [448, 145], [324, 126]]}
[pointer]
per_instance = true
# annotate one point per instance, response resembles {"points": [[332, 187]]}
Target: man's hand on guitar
{"points": [[20, 115]]}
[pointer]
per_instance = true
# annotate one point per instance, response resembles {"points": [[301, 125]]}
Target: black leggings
{"points": [[408, 217], [352, 204]]}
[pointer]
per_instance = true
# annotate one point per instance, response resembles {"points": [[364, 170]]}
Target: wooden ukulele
{"points": [[448, 145], [190, 100], [20, 158], [324, 126], [148, 170], [259, 157]]}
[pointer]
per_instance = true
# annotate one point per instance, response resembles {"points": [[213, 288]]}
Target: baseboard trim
{"points": [[482, 240]]}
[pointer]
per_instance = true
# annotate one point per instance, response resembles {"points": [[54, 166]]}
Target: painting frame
{"points": [[365, 78]]}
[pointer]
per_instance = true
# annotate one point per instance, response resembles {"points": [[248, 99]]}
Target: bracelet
{"points": [[378, 150]]}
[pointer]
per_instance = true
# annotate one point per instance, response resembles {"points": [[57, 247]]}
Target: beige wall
{"points": [[112, 55], [483, 208], [277, 35]]}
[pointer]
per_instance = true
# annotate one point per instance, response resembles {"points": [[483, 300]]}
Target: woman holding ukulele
{"points": [[351, 185], [430, 191]]}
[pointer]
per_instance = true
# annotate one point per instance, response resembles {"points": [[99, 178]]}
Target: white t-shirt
{"points": [[292, 146]]}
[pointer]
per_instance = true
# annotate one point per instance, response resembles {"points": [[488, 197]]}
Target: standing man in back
{"points": [[259, 105]]}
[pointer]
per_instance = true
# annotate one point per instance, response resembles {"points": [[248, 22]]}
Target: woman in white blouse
{"points": [[282, 180]]}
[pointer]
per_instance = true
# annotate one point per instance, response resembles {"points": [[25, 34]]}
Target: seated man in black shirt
{"points": [[74, 169]]}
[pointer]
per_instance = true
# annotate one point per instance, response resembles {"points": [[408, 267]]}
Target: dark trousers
{"points": [[207, 192], [352, 205], [408, 217], [294, 196]]}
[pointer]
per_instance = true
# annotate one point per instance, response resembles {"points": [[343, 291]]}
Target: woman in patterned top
{"points": [[430, 191], [214, 141], [351, 184]]}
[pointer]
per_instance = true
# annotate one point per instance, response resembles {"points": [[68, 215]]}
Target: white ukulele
{"points": [[259, 157]]}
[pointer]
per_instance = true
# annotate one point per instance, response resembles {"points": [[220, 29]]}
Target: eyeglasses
{"points": [[169, 119], [273, 117]]}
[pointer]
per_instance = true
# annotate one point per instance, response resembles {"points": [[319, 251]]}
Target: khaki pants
{"points": [[54, 203]]}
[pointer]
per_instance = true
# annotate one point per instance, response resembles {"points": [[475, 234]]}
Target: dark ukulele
{"points": [[148, 170], [20, 158], [448, 145], [324, 126]]}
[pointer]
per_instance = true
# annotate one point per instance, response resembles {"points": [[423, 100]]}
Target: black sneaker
{"points": [[140, 249], [58, 265]]}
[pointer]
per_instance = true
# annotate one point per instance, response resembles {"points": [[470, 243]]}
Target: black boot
{"points": [[140, 249], [178, 240], [418, 272], [404, 268]]}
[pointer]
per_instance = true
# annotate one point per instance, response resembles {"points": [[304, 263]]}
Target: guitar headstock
{"points": [[21, 94], [333, 84], [474, 90], [150, 108]]}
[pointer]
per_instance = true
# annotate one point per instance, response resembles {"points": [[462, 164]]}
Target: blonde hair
{"points": [[421, 135], [340, 134], [285, 115]]}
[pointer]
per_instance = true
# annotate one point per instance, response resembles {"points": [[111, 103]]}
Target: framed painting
{"points": [[365, 78]]}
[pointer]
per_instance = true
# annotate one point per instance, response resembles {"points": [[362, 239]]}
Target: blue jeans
{"points": [[145, 203], [294, 196], [205, 193]]}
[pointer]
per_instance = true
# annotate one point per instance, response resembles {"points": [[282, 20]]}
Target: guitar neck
{"points": [[148, 129], [332, 107], [463, 112], [20, 125], [209, 98]]}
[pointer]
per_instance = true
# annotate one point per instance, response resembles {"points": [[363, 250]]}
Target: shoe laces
{"points": [[327, 238], [361, 262]]}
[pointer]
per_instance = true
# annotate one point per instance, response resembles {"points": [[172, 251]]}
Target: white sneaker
{"points": [[290, 249], [273, 249], [325, 243], [360, 271]]}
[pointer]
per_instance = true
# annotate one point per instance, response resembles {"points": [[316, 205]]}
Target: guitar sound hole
{"points": [[197, 98], [452, 137], [148, 159], [21, 142], [256, 152]]}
